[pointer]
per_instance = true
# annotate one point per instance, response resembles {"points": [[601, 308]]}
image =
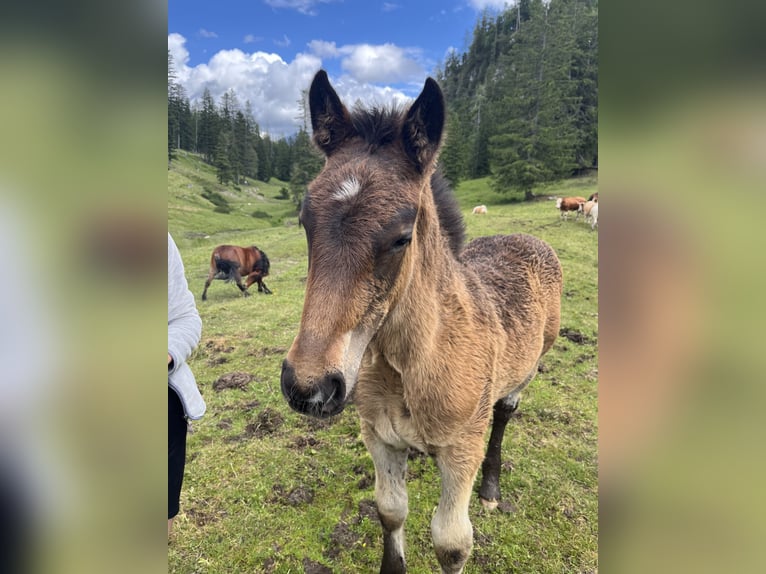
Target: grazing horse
{"points": [[232, 263], [432, 339]]}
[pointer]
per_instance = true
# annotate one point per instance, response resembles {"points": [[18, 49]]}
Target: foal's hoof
{"points": [[245, 293], [488, 504]]}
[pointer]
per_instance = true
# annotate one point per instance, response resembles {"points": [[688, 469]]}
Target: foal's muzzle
{"points": [[325, 398]]}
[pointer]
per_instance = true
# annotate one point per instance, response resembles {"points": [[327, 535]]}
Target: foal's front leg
{"points": [[390, 497], [451, 527]]}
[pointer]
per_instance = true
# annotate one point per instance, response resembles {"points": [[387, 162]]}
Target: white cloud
{"points": [[207, 33], [273, 86], [284, 42], [302, 6], [180, 56], [251, 39], [324, 49], [384, 63], [494, 4]]}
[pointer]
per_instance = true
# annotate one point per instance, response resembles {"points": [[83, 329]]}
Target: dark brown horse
{"points": [[232, 263], [433, 339]]}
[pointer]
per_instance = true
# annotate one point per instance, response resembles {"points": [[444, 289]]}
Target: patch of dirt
{"points": [[296, 497], [251, 405], [506, 507], [583, 358], [365, 482], [236, 380], [315, 424], [368, 478], [415, 454], [216, 360], [219, 345], [301, 442], [541, 368], [224, 424], [267, 423], [202, 517], [311, 567], [300, 495], [342, 537], [563, 417], [367, 509], [268, 565], [574, 336], [266, 352]]}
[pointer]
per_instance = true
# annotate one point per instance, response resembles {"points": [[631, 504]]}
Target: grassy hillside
{"points": [[196, 199], [268, 490]]}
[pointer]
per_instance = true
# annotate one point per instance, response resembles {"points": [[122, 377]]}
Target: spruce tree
{"points": [[535, 139], [306, 165]]}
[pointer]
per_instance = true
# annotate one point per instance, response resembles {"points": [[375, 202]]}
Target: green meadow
{"points": [[268, 490]]}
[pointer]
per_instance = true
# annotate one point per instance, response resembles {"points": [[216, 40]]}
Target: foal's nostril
{"points": [[325, 398], [337, 387], [287, 379]]}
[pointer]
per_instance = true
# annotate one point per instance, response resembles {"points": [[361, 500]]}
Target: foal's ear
{"points": [[423, 126], [330, 119]]}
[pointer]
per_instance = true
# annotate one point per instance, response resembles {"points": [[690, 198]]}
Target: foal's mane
{"points": [[381, 126]]}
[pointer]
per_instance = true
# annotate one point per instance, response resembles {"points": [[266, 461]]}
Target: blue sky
{"points": [[268, 50]]}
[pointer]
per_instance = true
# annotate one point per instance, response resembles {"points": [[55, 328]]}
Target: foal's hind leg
{"points": [[208, 281], [489, 492], [390, 498]]}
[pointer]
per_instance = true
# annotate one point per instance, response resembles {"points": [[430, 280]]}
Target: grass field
{"points": [[267, 490]]}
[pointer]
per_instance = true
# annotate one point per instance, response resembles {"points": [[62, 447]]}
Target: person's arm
{"points": [[184, 323]]}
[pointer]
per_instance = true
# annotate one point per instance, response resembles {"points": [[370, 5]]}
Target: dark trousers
{"points": [[176, 451]]}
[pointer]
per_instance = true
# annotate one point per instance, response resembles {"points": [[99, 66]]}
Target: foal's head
{"points": [[360, 216]]}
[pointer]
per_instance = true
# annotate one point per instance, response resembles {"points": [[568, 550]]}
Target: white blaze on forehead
{"points": [[348, 189]]}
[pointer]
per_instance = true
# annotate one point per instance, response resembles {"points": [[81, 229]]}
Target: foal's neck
{"points": [[432, 302]]}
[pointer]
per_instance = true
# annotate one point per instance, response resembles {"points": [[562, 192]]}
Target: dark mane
{"points": [[377, 126], [450, 216]]}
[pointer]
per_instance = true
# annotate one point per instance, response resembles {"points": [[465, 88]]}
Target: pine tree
{"points": [[221, 162], [305, 167], [209, 122], [535, 141], [282, 159], [264, 149], [173, 117]]}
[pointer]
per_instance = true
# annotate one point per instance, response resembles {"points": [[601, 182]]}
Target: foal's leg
{"points": [[255, 277], [390, 498], [489, 492], [451, 527], [208, 281], [238, 281]]}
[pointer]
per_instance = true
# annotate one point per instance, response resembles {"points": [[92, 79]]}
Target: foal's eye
{"points": [[402, 242]]}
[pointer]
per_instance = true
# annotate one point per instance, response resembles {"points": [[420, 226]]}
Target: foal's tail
{"points": [[226, 268]]}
